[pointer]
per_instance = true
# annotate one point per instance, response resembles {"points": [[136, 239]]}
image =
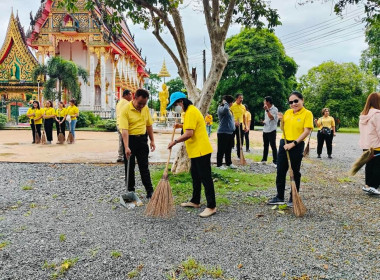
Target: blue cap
{"points": [[174, 97]]}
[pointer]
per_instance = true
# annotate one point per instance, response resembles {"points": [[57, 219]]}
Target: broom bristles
{"points": [[162, 203], [61, 138], [360, 162], [298, 206], [242, 158], [70, 138], [43, 138], [307, 150], [38, 139]]}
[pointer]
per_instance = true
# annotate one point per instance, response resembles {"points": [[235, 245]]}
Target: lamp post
{"points": [[38, 90]]}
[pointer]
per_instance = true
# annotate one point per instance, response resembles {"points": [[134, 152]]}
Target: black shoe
{"points": [[319, 156], [330, 157], [275, 201], [149, 195]]}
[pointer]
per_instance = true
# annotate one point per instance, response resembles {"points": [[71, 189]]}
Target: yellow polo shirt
{"points": [[38, 112], [120, 104], [208, 120], [199, 144], [133, 120], [49, 111], [248, 118], [61, 113], [326, 122], [72, 110], [238, 111], [294, 123]]}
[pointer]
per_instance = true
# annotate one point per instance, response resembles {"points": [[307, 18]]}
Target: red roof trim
{"points": [[7, 51], [40, 22]]}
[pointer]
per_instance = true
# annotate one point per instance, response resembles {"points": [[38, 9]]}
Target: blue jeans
{"points": [[208, 128], [71, 126]]}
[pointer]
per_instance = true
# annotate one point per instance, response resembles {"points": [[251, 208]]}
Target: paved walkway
{"points": [[90, 147]]}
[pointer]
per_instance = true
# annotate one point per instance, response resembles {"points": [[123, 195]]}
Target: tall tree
{"points": [[163, 15], [257, 67], [63, 75], [341, 87], [370, 59], [176, 84]]}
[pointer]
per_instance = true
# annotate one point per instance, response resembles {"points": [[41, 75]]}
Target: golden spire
{"points": [[164, 71]]}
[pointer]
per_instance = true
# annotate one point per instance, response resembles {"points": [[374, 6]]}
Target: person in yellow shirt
{"points": [[49, 116], [247, 126], [326, 132], [135, 125], [60, 118], [208, 121], [127, 97], [35, 116], [199, 150], [238, 110], [298, 123], [73, 112]]}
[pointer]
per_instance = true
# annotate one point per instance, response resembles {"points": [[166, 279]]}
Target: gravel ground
{"points": [[337, 239]]}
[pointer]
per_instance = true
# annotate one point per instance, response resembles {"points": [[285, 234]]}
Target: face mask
{"points": [[178, 109]]}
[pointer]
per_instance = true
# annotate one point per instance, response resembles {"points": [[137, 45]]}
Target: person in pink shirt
{"points": [[369, 127]]}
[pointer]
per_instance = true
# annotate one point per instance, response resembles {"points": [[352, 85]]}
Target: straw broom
{"points": [[36, 135], [360, 162], [242, 159], [307, 149], [61, 137], [162, 204], [298, 206], [43, 138]]}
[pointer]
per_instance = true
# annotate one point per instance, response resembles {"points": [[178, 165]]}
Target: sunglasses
{"points": [[294, 101]]}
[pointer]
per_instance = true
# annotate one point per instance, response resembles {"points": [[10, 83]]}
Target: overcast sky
{"points": [[310, 33]]}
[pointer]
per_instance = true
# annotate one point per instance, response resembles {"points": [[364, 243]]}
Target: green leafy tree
{"points": [[258, 67], [176, 84], [165, 16], [63, 74], [341, 87], [370, 59]]}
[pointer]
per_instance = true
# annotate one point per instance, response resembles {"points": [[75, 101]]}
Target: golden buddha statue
{"points": [[163, 96]]}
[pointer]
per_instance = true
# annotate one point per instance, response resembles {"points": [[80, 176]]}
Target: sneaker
{"points": [[120, 160], [262, 162], [374, 191], [289, 204], [273, 164], [247, 151], [330, 157], [366, 189], [222, 167], [319, 156], [276, 201], [190, 204], [232, 166], [207, 212]]}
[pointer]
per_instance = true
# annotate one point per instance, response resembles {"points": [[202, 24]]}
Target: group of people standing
{"points": [[46, 117]]}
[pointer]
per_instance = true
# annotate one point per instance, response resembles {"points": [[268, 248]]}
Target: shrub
{"points": [[110, 125], [23, 119], [3, 120]]}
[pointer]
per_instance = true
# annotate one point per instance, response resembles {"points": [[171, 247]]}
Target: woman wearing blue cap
{"points": [[199, 150]]}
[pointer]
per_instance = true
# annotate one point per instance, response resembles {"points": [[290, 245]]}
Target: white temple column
{"points": [[91, 94], [103, 78]]}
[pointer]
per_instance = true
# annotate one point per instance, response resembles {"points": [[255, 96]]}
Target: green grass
{"points": [[225, 182], [348, 130], [257, 157], [62, 237], [115, 254], [97, 129], [3, 245], [27, 188]]}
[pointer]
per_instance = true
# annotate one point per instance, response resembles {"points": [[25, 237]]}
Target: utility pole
{"points": [[204, 66]]}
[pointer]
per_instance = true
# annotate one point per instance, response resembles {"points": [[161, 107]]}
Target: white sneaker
{"points": [[373, 191], [222, 167], [262, 162], [232, 166], [365, 189]]}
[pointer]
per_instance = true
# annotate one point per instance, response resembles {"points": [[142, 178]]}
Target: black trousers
{"points": [[324, 138], [295, 155], [201, 174], [60, 127], [246, 136], [48, 124], [140, 151], [224, 148], [269, 138], [236, 133], [372, 168], [34, 128]]}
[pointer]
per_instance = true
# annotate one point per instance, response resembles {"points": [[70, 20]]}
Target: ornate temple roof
{"points": [[16, 60]]}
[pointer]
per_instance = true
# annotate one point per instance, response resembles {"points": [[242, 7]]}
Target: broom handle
{"points": [[287, 152], [170, 152], [241, 144]]}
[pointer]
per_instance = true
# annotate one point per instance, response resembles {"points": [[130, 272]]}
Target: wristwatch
{"points": [[175, 141], [295, 143]]}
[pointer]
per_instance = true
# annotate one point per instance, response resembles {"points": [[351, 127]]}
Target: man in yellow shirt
{"points": [[127, 97], [199, 150], [135, 125], [247, 126], [208, 121], [238, 110]]}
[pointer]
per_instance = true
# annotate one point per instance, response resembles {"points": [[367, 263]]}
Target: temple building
{"points": [[16, 65], [114, 63]]}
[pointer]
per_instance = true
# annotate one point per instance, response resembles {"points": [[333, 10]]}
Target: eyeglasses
{"points": [[294, 101]]}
